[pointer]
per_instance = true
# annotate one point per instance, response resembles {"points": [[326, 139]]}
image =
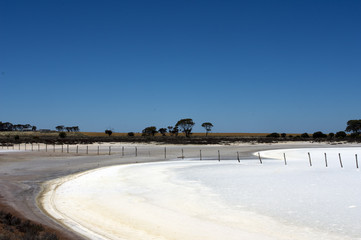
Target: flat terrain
{"points": [[23, 173]]}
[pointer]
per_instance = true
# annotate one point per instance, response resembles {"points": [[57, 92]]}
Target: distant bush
{"points": [[331, 135], [273, 135], [108, 132], [62, 135], [340, 135], [319, 135], [305, 135], [16, 137], [130, 134], [283, 135]]}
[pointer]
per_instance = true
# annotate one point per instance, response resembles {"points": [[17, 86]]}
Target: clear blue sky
{"points": [[245, 66]]}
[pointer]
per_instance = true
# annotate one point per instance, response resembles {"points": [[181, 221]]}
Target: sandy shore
{"points": [[23, 174]]}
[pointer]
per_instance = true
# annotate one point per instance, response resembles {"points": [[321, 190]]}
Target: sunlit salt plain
{"points": [[194, 199]]}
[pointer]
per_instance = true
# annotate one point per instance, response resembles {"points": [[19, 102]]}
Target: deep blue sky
{"points": [[245, 66]]}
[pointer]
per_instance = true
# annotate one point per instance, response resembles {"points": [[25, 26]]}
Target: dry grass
{"points": [[101, 134]]}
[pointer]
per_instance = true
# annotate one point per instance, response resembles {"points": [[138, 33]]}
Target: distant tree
{"points": [[207, 126], [318, 135], [62, 135], [130, 134], [75, 129], [305, 135], [60, 128], [354, 126], [163, 131], [108, 132], [273, 135], [69, 129], [170, 130], [149, 131], [175, 131], [340, 135], [283, 135], [6, 126], [33, 128], [186, 126]]}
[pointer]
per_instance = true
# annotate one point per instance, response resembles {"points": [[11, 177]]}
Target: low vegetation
{"points": [[13, 228]]}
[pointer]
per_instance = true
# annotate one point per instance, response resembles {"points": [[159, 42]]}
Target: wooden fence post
{"points": [[87, 149], [339, 157], [219, 156], [123, 151], [284, 157], [182, 154], [77, 149], [165, 152], [136, 151], [356, 161], [326, 160], [38, 147], [46, 147], [309, 159], [200, 154], [238, 156], [98, 149], [67, 148], [32, 147], [259, 156], [110, 149]]}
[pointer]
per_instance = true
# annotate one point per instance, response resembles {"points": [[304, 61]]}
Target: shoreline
{"points": [[21, 184]]}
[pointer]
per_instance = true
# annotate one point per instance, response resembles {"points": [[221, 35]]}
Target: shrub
{"points": [[130, 134], [331, 135], [283, 135], [305, 135], [318, 135], [340, 135], [273, 135], [16, 137], [62, 135]]}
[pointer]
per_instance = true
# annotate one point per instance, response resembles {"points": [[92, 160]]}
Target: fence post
{"points": [[238, 156], [326, 160], [356, 161], [339, 157], [259, 157], [46, 147], [200, 154], [54, 148], [67, 148], [98, 150], [77, 149], [62, 148], [182, 154], [284, 157], [25, 146], [123, 151], [136, 151], [165, 152], [38, 147], [219, 156], [32, 147], [87, 149], [110, 149], [309, 159]]}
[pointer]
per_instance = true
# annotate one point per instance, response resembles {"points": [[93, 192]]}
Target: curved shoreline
{"points": [[246, 230]]}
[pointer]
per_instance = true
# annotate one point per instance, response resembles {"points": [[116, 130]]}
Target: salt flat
{"points": [[194, 199]]}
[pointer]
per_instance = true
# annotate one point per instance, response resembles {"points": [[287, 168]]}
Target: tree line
{"points": [[62, 128], [7, 126]]}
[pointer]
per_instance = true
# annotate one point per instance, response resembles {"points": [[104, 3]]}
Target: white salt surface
{"points": [[216, 200]]}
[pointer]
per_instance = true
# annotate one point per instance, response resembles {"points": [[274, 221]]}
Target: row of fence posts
{"points": [[165, 153], [310, 159]]}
